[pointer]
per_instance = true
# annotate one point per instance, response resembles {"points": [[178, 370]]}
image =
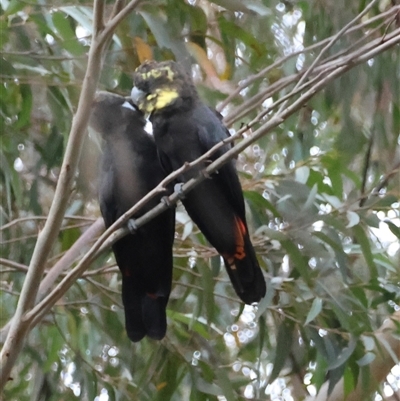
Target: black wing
{"points": [[210, 132]]}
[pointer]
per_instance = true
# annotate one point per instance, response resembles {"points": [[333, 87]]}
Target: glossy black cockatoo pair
{"points": [[134, 162]]}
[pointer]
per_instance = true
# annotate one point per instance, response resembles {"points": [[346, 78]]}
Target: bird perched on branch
{"points": [[184, 129], [130, 169]]}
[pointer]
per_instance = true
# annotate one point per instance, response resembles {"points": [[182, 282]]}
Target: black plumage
{"points": [[184, 129], [130, 169]]}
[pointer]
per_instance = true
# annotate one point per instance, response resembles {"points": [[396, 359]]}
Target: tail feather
{"points": [[154, 316], [145, 314], [134, 324], [243, 268]]}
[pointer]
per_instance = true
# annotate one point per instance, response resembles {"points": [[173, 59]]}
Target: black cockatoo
{"points": [[130, 169], [184, 128]]}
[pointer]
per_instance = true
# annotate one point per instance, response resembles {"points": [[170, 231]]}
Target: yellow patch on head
{"points": [[159, 72], [170, 73], [151, 74], [165, 97], [158, 100]]}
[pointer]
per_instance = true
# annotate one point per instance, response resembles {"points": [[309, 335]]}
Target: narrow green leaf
{"points": [[366, 359], [159, 27], [385, 261], [310, 199], [239, 33], [69, 237], [215, 265], [341, 313], [54, 345], [372, 220], [208, 388], [359, 293], [258, 201], [302, 173], [315, 177], [319, 375], [225, 384], [283, 347], [82, 15], [331, 238], [366, 248], [24, 116], [315, 310], [348, 380], [334, 166], [344, 355], [365, 381], [271, 234], [69, 40], [90, 381], [266, 301], [198, 327], [353, 218], [393, 228]]}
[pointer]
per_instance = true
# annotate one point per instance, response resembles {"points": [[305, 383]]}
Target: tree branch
{"points": [[19, 326], [327, 47], [110, 235], [250, 104], [25, 316], [391, 13], [17, 266]]}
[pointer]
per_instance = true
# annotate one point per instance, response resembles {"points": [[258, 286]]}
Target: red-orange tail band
{"points": [[241, 231]]}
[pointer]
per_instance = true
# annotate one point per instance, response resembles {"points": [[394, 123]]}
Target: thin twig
{"points": [[383, 182], [335, 38], [17, 266], [43, 218], [256, 100], [261, 74]]}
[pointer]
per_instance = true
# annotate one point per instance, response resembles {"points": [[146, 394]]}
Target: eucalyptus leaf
{"points": [[315, 310]]}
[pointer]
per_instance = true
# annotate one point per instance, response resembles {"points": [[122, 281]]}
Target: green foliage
{"points": [[325, 219]]}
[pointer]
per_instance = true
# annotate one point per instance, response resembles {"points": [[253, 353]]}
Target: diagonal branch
{"points": [[328, 46], [110, 236], [255, 101], [392, 13], [19, 326], [25, 317]]}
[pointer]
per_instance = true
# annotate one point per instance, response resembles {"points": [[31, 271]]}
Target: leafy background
{"points": [[322, 195]]}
